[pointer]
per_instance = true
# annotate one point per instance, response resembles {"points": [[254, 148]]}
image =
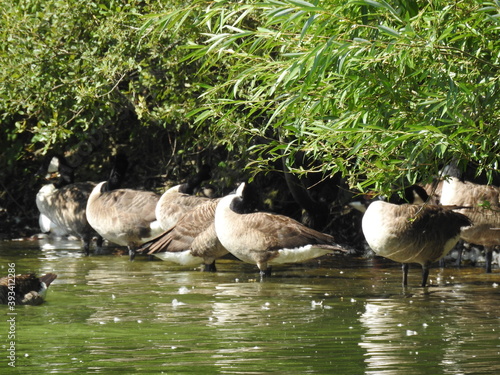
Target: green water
{"points": [[107, 315]]}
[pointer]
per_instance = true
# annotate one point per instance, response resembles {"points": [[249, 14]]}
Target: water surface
{"points": [[339, 315]]}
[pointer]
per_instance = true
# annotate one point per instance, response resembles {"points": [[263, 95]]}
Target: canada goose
{"points": [[411, 233], [62, 205], [125, 217], [263, 238], [192, 240], [482, 206], [28, 289], [177, 200]]}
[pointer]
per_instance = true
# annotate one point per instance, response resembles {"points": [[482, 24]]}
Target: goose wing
{"points": [[281, 231], [188, 228]]}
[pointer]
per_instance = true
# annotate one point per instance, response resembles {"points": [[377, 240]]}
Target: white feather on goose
{"points": [[192, 240]]}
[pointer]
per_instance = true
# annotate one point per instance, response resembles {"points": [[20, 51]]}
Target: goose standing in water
{"points": [[265, 239], [192, 240], [29, 289], [179, 199], [62, 205], [125, 217], [482, 206], [411, 233]]}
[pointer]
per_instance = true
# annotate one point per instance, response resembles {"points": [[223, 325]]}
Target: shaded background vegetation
{"points": [[379, 93]]}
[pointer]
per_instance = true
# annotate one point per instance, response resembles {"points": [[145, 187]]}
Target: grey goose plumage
{"points": [[125, 217], [410, 233], [265, 239], [62, 204]]}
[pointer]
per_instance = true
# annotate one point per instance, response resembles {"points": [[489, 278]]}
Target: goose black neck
{"points": [[196, 180], [452, 170], [117, 175], [247, 202], [413, 191]]}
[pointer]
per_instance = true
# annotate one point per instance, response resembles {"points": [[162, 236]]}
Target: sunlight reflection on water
{"points": [[105, 314]]}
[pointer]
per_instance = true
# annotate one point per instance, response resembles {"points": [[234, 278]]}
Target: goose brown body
{"points": [[264, 239], [192, 239], [411, 233], [173, 204], [481, 204], [179, 199], [125, 217]]}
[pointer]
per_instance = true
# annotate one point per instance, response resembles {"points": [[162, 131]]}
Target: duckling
{"points": [[28, 288], [125, 217], [62, 205], [410, 233], [265, 239]]}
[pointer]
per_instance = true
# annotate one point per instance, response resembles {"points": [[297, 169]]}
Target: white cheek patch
{"points": [[53, 166]]}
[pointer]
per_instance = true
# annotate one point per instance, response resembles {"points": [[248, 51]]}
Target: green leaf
{"points": [[389, 31]]}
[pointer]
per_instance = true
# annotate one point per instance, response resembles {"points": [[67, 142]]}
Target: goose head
{"points": [[245, 199]]}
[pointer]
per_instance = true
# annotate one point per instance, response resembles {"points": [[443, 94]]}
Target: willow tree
{"points": [[385, 92], [76, 76]]}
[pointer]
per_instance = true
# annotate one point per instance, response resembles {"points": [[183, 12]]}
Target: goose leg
{"points": [[86, 247], [489, 257], [265, 271], [209, 267], [405, 274], [425, 274], [131, 253], [98, 245], [460, 247]]}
